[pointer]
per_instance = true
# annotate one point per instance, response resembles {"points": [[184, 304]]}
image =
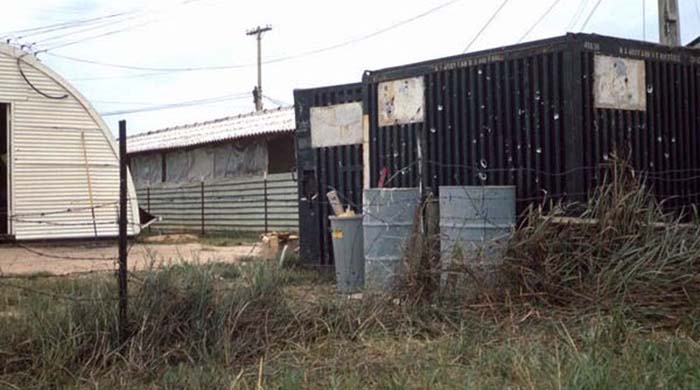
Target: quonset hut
{"points": [[59, 164]]}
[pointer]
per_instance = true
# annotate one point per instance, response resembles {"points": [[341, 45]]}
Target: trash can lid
{"points": [[334, 217]]}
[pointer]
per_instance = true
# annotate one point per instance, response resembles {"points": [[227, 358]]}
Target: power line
{"points": [[73, 32], [544, 15], [151, 69], [367, 36], [595, 7], [108, 33], [197, 102], [483, 28], [577, 15], [278, 102], [270, 61], [94, 24], [63, 25], [121, 102], [129, 76], [644, 20]]}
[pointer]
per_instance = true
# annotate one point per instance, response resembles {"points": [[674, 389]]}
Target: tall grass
{"points": [[608, 300], [623, 253], [237, 326]]}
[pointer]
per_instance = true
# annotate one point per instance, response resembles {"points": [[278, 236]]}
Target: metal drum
{"points": [[388, 221], [475, 225]]}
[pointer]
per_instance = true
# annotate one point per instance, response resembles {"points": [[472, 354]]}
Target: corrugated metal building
{"points": [[237, 146], [542, 116], [60, 165], [227, 174]]}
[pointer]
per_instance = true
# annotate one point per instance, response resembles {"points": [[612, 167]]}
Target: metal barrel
{"points": [[475, 225], [346, 233], [388, 221]]}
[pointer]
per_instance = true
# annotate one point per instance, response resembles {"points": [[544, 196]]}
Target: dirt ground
{"points": [[70, 258]]}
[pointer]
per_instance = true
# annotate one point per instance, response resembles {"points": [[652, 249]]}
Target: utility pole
{"points": [[257, 92], [669, 23]]}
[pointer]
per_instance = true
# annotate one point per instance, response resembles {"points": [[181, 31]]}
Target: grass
{"points": [[610, 301], [226, 325], [231, 238], [224, 238]]}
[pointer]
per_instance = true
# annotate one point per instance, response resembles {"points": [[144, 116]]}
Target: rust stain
{"points": [[336, 125], [401, 101], [619, 83]]}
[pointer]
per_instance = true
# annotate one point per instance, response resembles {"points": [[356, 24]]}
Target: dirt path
{"points": [[80, 257]]}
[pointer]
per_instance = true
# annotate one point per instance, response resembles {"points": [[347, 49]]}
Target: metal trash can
{"points": [[389, 215], [348, 253]]}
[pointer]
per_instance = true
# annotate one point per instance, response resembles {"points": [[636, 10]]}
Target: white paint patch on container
{"points": [[401, 101], [619, 83], [336, 125]]}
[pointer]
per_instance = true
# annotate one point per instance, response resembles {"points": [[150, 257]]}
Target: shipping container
{"points": [[541, 116], [329, 157]]}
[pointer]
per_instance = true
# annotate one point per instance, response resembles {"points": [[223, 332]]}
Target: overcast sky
{"points": [[204, 33]]}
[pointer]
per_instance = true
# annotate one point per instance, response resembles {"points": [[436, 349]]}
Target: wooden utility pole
{"points": [[257, 92], [669, 23]]}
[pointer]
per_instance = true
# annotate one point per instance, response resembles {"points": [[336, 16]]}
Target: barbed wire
{"points": [[65, 257], [56, 295]]}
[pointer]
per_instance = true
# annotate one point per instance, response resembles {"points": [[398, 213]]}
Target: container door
{"points": [[329, 157]]}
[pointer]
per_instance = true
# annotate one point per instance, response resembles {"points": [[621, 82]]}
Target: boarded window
{"points": [[240, 159], [147, 169], [401, 101], [619, 83], [336, 125], [236, 159]]}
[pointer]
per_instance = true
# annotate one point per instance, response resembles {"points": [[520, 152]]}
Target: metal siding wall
{"points": [[663, 142], [338, 167], [13, 87], [497, 122], [394, 147], [229, 205], [525, 116], [50, 199]]}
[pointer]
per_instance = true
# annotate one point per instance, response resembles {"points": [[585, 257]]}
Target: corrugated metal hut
{"points": [[60, 165], [227, 174], [236, 146], [542, 116]]}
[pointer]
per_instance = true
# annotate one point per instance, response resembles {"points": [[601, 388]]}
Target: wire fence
{"points": [[272, 203], [253, 204]]}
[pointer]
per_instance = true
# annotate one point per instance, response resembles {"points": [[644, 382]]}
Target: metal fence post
{"points": [[123, 221], [202, 197], [148, 203], [265, 199]]}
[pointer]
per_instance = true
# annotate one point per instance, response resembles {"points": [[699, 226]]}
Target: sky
{"points": [[167, 35]]}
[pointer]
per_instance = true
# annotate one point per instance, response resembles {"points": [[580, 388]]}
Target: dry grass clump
{"points": [[624, 252], [217, 315]]}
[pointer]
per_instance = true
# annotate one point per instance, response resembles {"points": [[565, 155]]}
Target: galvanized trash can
{"points": [[389, 215], [348, 252]]}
